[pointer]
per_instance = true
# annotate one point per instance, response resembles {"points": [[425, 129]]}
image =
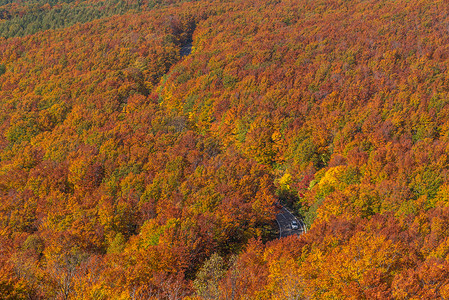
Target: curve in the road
{"points": [[284, 219]]}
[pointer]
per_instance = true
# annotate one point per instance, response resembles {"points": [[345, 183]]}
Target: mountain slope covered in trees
{"points": [[128, 171], [19, 18]]}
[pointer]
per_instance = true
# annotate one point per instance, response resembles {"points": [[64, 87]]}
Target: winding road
{"points": [[284, 219], [186, 49]]}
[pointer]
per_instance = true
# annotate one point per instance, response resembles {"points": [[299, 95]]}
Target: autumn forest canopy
{"points": [[129, 170]]}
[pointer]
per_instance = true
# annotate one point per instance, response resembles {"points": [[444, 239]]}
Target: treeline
{"points": [[29, 17]]}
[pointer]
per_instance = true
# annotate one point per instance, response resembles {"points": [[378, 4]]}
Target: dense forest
{"points": [[130, 171], [31, 16]]}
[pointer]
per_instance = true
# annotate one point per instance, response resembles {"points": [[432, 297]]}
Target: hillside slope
{"points": [[20, 18], [128, 171]]}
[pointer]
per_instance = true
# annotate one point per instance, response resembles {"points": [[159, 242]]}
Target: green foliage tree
{"points": [[208, 277]]}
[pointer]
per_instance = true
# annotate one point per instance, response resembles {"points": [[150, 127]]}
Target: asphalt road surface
{"points": [[186, 49], [284, 219]]}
